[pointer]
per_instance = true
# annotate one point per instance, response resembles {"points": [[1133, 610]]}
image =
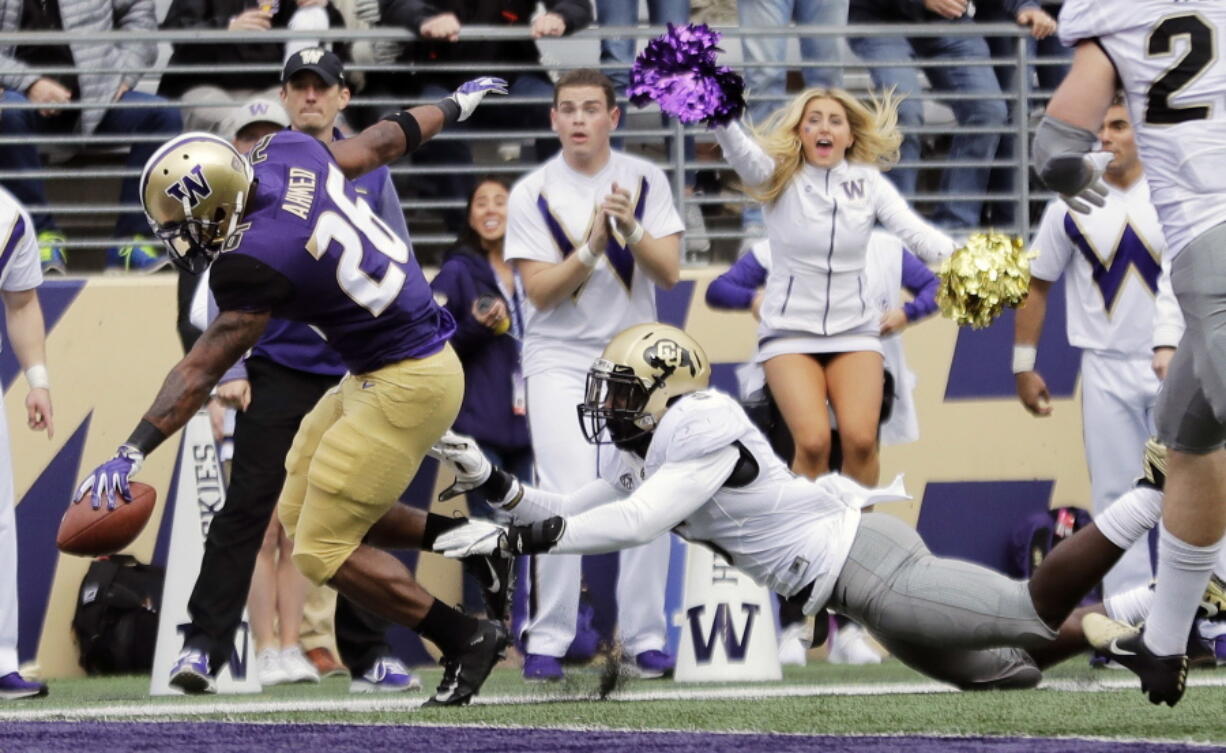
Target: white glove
{"points": [[477, 537], [462, 455], [1095, 192], [470, 93]]}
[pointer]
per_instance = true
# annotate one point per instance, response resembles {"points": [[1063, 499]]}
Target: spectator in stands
{"points": [[120, 66], [479, 290], [19, 278], [437, 24], [1042, 26], [985, 110], [286, 373], [621, 50], [207, 95], [767, 84]]}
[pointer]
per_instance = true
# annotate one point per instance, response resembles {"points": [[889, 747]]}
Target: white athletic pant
{"points": [[565, 462], [8, 558], [1118, 397]]}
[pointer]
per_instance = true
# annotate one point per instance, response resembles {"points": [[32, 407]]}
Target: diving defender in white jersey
{"points": [[677, 456], [1164, 54], [592, 233], [1112, 261], [20, 275]]}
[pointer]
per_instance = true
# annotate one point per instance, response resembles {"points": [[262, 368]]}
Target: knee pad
{"points": [[358, 465], [312, 567], [1021, 674]]}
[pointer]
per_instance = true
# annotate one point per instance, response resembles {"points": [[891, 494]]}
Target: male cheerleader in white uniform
{"points": [[1113, 256], [592, 233], [20, 275], [1164, 54], [677, 456]]}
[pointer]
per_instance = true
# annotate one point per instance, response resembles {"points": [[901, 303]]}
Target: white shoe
{"points": [[792, 645], [297, 667], [849, 647], [268, 669]]}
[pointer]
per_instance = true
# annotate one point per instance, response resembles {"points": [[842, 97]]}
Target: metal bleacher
{"points": [[82, 172]]}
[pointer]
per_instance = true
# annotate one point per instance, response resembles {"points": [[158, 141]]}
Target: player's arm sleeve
{"points": [[735, 288], [242, 283], [536, 504], [919, 280], [929, 243], [527, 236], [751, 162], [1168, 318], [24, 270], [672, 494], [1051, 243]]}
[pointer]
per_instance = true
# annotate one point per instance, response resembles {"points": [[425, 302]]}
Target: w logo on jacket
{"points": [[854, 188]]}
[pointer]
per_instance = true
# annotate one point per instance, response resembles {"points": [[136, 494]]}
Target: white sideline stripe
{"points": [[172, 708]]}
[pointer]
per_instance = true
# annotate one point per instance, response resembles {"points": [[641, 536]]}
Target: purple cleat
{"points": [[388, 675], [190, 673], [14, 686], [650, 665], [542, 668]]}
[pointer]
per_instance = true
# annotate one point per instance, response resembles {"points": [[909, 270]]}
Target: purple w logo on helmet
{"points": [[192, 187]]}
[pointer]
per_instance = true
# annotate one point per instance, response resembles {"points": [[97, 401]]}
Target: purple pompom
{"points": [[678, 70]]}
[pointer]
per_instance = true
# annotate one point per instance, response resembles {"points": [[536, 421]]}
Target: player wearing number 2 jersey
{"points": [[1163, 54], [290, 238]]}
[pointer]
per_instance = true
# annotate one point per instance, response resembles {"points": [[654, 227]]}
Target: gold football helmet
{"points": [[193, 190], [633, 382]]}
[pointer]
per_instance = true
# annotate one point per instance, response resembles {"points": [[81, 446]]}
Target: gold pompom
{"points": [[978, 280]]}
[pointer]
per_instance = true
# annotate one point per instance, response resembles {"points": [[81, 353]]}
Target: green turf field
{"points": [[820, 698]]}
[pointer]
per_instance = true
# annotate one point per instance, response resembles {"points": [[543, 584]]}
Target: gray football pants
{"points": [[1191, 413], [955, 621]]}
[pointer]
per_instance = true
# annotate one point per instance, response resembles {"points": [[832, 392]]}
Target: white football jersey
{"points": [[781, 530], [1166, 55], [1113, 257], [550, 212], [19, 261]]}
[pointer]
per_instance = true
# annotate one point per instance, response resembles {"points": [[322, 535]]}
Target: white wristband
{"points": [[586, 257], [38, 378], [636, 235], [1024, 357]]}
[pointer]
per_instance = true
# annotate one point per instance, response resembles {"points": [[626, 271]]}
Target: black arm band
{"points": [[410, 126], [498, 485], [537, 537], [450, 108], [146, 437]]}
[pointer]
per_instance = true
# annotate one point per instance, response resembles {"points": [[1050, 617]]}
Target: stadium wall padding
{"points": [[982, 459]]}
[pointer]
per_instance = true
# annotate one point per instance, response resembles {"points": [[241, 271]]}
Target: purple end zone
{"points": [[220, 737]]}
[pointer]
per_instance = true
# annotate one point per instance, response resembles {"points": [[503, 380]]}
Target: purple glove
{"points": [[110, 477], [470, 93]]}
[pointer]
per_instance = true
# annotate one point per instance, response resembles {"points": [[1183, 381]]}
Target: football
{"points": [[90, 532]]}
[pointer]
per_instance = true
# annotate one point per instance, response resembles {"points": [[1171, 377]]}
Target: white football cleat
{"points": [[848, 646], [792, 645]]}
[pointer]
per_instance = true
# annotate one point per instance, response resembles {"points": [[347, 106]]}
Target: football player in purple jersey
{"points": [[288, 236]]}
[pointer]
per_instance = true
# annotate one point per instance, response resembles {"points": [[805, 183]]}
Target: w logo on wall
{"points": [[193, 187]]}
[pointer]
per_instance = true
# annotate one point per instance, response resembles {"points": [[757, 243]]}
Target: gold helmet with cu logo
{"points": [[194, 189], [642, 370]]}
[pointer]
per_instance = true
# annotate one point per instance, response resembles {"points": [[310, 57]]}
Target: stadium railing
{"points": [[94, 211]]}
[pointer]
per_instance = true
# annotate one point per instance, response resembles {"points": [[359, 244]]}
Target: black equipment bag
{"points": [[116, 622]]}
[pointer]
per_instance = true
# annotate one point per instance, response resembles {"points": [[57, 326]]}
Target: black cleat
{"points": [[464, 673], [496, 574], [1163, 678]]}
